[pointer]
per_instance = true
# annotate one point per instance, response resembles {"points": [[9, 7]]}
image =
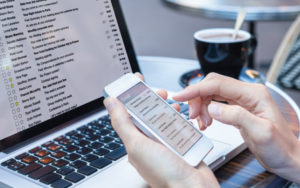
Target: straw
{"points": [[239, 21]]}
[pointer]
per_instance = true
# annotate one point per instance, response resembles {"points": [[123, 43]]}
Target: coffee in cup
{"points": [[219, 52]]}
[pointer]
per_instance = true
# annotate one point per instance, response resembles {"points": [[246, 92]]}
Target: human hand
{"points": [[252, 110], [154, 162]]}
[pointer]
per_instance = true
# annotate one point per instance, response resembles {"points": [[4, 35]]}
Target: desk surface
{"points": [[257, 10], [243, 170]]}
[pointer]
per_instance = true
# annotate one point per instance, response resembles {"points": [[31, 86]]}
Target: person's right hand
{"points": [[252, 110]]}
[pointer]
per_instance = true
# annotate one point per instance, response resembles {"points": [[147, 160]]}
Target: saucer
{"points": [[247, 75]]}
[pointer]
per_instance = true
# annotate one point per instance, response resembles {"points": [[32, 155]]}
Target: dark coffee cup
{"points": [[218, 52]]}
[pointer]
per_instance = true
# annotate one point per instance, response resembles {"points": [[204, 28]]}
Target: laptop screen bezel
{"points": [[84, 109]]}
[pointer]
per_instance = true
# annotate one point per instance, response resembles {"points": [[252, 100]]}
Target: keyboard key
{"points": [[77, 164], [83, 129], [42, 172], [30, 168], [106, 139], [116, 154], [8, 162], [58, 154], [100, 163], [47, 144], [71, 133], [108, 127], [65, 170], [118, 140], [29, 159], [21, 156], [59, 138], [46, 160], [77, 136], [50, 178], [72, 157], [42, 153], [104, 132], [71, 148], [87, 170], [105, 118], [95, 145], [61, 184], [16, 166], [184, 108], [65, 142], [54, 147], [112, 146], [101, 151], [34, 150], [84, 151], [96, 126], [81, 143], [60, 163], [170, 101], [87, 131], [114, 135], [89, 157], [92, 137], [74, 177]]}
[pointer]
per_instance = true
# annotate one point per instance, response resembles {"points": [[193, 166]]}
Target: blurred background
{"points": [[157, 30]]}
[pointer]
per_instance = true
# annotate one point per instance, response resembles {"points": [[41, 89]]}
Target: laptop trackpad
{"points": [[218, 153], [3, 185]]}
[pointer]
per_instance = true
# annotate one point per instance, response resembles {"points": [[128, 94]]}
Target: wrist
{"points": [[199, 178], [292, 170]]}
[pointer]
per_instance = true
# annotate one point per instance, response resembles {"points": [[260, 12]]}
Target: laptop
{"points": [[55, 58]]}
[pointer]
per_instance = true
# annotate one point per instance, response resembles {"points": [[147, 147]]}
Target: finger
{"points": [[163, 94], [201, 125], [198, 107], [218, 85], [205, 117], [194, 107], [140, 76], [120, 120], [236, 116], [176, 106]]}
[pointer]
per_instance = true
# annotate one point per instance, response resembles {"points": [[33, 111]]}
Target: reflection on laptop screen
{"points": [[55, 56]]}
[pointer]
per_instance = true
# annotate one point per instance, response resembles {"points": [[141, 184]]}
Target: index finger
{"points": [[218, 85]]}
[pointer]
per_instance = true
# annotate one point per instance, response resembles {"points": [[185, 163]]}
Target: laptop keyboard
{"points": [[70, 158]]}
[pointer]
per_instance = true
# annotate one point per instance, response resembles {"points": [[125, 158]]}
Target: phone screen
{"points": [[160, 117]]}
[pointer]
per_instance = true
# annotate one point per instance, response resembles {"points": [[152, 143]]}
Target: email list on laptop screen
{"points": [[55, 56]]}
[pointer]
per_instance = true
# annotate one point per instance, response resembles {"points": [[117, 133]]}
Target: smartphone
{"points": [[158, 120]]}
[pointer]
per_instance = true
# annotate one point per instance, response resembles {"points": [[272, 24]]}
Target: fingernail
{"points": [[215, 110], [204, 120], [109, 104], [190, 112]]}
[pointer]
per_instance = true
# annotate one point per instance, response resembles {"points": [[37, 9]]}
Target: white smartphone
{"points": [[158, 120]]}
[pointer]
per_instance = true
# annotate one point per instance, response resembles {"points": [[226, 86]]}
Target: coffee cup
{"points": [[219, 52]]}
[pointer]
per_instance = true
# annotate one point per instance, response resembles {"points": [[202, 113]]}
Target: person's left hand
{"points": [[156, 164]]}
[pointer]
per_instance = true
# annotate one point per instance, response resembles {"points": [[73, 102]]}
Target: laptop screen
{"points": [[55, 57]]}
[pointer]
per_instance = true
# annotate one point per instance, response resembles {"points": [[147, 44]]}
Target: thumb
{"points": [[235, 115], [120, 120]]}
